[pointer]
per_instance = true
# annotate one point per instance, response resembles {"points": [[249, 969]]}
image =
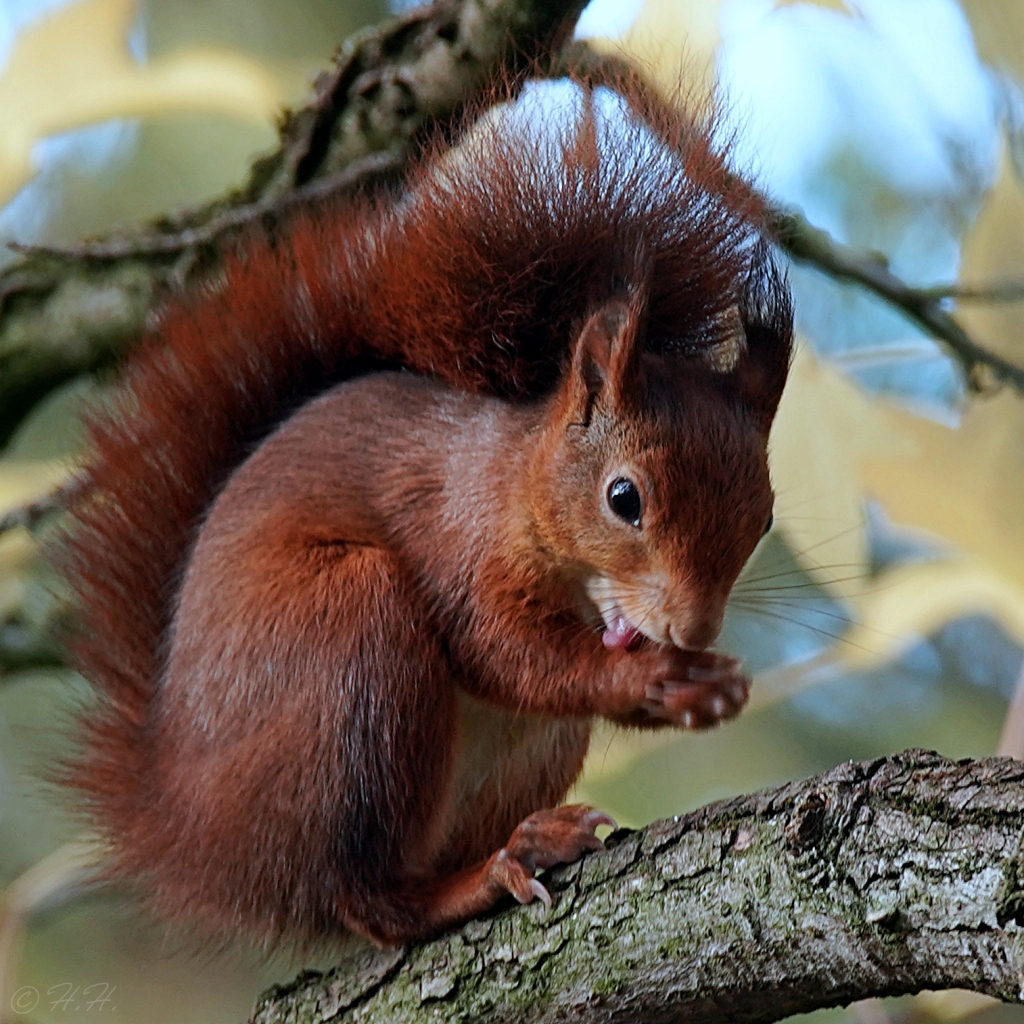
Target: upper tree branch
{"points": [[63, 312], [875, 879], [922, 306], [997, 291]]}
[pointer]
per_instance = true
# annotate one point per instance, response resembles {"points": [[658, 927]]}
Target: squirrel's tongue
{"points": [[621, 634]]}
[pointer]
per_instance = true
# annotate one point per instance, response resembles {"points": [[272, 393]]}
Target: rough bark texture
{"points": [[67, 312], [875, 879]]}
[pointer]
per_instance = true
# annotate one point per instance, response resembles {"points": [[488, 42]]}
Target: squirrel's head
{"points": [[650, 482]]}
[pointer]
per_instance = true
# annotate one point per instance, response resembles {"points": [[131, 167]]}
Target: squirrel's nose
{"points": [[696, 631]]}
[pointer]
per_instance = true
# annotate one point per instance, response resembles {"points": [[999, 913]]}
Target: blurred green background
{"points": [[886, 610]]}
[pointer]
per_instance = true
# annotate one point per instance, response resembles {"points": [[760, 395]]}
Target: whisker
{"points": [[788, 517], [800, 572], [837, 637], [873, 586], [816, 611], [817, 566], [797, 567], [829, 540], [806, 500], [779, 588], [653, 607]]}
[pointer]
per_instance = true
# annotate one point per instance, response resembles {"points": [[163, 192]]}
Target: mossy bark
{"points": [[875, 879]]}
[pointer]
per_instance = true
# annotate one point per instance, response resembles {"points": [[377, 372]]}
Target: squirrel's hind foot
{"points": [[560, 835]]}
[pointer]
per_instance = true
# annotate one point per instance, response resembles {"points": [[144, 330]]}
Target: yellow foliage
{"points": [[73, 68], [21, 482], [912, 601], [825, 427], [26, 480]]}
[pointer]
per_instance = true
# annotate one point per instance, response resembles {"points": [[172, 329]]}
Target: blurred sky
{"points": [[883, 126]]}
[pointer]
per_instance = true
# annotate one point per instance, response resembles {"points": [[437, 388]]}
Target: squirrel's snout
{"points": [[648, 607], [696, 631]]}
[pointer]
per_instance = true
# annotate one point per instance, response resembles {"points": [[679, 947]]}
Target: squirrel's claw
{"points": [[559, 835], [541, 893]]}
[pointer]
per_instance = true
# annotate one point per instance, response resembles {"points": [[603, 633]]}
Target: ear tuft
{"points": [[766, 310], [605, 357], [727, 341]]}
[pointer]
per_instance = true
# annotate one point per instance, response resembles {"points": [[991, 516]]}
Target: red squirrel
{"points": [[429, 481]]}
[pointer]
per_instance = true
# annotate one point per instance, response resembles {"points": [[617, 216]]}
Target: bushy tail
{"points": [[219, 372]]}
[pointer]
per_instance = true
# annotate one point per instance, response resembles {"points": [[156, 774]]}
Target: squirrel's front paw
{"points": [[709, 689], [556, 836]]}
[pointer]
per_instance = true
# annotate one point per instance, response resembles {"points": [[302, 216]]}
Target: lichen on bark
{"points": [[875, 879]]}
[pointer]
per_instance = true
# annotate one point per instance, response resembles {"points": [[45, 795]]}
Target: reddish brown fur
{"points": [[339, 663]]}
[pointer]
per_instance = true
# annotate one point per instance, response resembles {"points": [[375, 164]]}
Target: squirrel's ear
{"points": [[766, 311], [606, 358]]}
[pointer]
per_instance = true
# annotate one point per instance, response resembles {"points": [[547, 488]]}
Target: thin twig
{"points": [[357, 174], [996, 291], [29, 516], [55, 879], [808, 244]]}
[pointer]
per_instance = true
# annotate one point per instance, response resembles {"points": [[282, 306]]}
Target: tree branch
{"points": [[65, 312], [30, 515], [922, 306], [224, 221], [875, 879], [997, 291]]}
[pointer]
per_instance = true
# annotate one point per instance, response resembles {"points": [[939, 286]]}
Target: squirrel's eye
{"points": [[769, 524], [624, 500]]}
